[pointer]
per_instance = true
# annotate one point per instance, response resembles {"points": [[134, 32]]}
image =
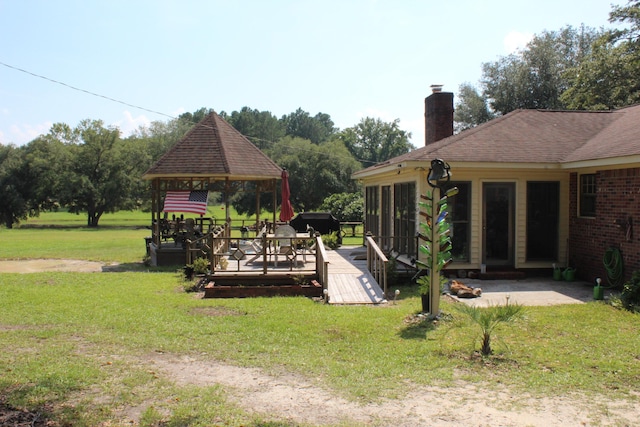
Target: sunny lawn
{"points": [[78, 337]]}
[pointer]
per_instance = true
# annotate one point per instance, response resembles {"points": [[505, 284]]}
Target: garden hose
{"points": [[613, 266]]}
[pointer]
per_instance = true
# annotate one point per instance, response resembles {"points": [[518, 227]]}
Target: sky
{"points": [[132, 62]]}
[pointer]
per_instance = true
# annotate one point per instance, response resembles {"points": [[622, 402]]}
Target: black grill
{"points": [[322, 222]]}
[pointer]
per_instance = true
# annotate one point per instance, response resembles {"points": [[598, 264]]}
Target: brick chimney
{"points": [[438, 115]]}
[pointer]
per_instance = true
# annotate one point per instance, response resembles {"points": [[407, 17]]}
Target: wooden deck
{"points": [[349, 280]]}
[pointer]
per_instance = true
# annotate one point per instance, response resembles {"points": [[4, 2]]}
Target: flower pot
{"points": [[425, 302]]}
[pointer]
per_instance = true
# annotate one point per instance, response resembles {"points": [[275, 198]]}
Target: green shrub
{"points": [[392, 271], [630, 295], [488, 318], [199, 266], [331, 240]]}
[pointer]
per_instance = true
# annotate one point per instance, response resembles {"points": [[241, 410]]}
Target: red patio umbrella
{"points": [[286, 210]]}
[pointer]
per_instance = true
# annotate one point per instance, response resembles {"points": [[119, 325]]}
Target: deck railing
{"points": [[322, 263], [377, 262], [231, 253], [210, 244]]}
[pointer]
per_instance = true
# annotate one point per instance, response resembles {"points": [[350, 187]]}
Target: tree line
{"points": [[92, 169], [568, 69]]}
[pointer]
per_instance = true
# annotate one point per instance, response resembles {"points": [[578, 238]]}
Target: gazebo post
{"points": [[258, 191], [275, 201], [227, 218], [155, 212]]}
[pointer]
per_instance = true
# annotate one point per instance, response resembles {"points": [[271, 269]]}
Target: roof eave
{"points": [[212, 177], [631, 161]]}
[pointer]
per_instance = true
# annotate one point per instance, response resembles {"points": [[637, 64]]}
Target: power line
{"points": [[84, 90], [126, 103]]}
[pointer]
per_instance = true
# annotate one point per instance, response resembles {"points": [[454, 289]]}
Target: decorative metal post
{"points": [[434, 271], [435, 233]]}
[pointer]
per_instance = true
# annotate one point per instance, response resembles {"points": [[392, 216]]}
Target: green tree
{"points": [[315, 171], [316, 129], [158, 137], [48, 160], [610, 75], [103, 172], [347, 207], [537, 76], [31, 176], [471, 108], [261, 127], [373, 141], [13, 188], [195, 117]]}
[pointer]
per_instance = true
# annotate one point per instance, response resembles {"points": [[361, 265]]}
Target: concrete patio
{"points": [[530, 291]]}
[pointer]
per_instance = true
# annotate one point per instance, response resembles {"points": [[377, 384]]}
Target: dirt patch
{"points": [[291, 398], [215, 311], [44, 265], [10, 416], [294, 399]]}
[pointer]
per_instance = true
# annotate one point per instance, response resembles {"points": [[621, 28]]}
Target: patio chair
{"points": [[256, 245], [285, 244]]}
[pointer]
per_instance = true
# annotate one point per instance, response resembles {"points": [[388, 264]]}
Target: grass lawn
{"points": [[72, 342]]}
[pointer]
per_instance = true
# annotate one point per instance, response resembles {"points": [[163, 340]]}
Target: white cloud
{"points": [[515, 41], [129, 123], [23, 134]]}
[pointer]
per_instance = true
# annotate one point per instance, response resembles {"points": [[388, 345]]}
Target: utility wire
{"points": [[84, 90], [126, 103]]}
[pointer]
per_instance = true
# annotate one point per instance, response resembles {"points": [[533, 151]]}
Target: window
{"points": [[588, 195], [543, 211], [371, 210], [386, 240], [404, 208], [459, 207]]}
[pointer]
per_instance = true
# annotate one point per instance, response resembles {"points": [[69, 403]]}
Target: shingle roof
{"points": [[215, 149], [539, 136], [621, 138]]}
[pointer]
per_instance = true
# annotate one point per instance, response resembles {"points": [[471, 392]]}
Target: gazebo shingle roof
{"points": [[214, 149]]}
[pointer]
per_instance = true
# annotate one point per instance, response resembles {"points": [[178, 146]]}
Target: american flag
{"points": [[186, 201]]}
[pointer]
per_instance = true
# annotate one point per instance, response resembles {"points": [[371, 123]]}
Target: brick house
{"points": [[537, 187]]}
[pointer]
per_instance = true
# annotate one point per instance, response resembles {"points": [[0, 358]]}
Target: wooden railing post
{"points": [[376, 262], [322, 263], [264, 253]]}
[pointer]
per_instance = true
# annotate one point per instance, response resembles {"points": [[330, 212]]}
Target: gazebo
{"points": [[212, 156]]}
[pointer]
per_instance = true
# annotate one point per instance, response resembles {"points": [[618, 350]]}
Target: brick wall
{"points": [[617, 200]]}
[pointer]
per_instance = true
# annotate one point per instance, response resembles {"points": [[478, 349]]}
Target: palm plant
{"points": [[488, 318]]}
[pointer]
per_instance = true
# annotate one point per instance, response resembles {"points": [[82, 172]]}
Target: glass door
{"points": [[498, 223]]}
